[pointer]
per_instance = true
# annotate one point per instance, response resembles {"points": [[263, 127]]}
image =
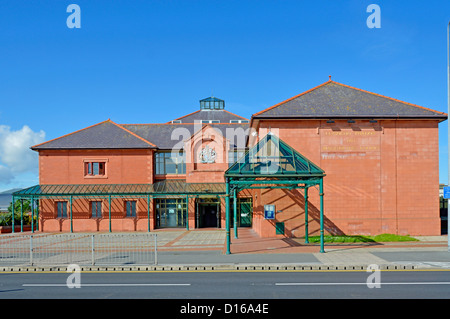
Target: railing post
{"points": [[31, 250], [187, 212], [156, 249], [32, 214], [109, 200], [21, 215], [148, 212], [12, 213], [235, 213], [93, 250], [71, 219]]}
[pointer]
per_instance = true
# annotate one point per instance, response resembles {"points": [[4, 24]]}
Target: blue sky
{"points": [[152, 61]]}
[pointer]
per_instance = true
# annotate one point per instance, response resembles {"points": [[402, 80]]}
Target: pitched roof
{"points": [[104, 135], [166, 136], [223, 116], [335, 100]]}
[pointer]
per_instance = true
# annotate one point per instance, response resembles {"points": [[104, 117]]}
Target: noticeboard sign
{"points": [[446, 192], [269, 211]]}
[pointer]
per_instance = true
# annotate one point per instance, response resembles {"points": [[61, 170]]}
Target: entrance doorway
{"points": [[244, 212], [207, 213], [170, 212]]}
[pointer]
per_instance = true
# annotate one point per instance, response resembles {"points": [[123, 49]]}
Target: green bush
{"points": [[6, 220], [361, 239]]}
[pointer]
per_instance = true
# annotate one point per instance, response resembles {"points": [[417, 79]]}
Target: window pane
{"points": [[61, 209], [101, 168], [130, 208], [95, 168], [171, 167]]}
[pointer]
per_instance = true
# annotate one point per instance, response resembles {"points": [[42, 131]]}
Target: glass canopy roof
{"points": [[272, 157]]}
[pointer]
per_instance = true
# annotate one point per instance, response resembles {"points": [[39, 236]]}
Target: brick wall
{"points": [[380, 177]]}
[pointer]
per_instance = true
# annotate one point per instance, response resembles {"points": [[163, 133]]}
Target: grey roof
{"points": [[104, 135], [222, 115], [336, 100], [166, 136]]}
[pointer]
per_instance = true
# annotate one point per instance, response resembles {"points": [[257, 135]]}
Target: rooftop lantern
{"points": [[212, 103]]}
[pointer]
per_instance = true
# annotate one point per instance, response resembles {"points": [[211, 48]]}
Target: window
{"points": [[96, 209], [210, 121], [170, 163], [234, 155], [130, 207], [61, 209], [170, 212], [94, 168], [238, 121]]}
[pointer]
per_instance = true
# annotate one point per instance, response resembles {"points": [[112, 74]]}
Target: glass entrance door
{"points": [[245, 213], [207, 213], [170, 212]]}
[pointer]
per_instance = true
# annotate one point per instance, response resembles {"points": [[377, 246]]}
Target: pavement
{"points": [[204, 250]]}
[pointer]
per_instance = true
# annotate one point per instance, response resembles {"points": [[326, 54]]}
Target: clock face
{"points": [[207, 155]]}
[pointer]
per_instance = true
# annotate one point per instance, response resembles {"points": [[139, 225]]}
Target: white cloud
{"points": [[6, 176], [16, 157]]}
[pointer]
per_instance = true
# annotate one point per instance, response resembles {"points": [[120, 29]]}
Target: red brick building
{"points": [[380, 157]]}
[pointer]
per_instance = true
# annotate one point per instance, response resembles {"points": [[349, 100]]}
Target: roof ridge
{"points": [[68, 134], [235, 114], [224, 123], [387, 97], [292, 98], [184, 116], [134, 134], [350, 87]]}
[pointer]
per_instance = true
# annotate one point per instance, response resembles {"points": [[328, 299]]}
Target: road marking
{"points": [[357, 283], [103, 285]]}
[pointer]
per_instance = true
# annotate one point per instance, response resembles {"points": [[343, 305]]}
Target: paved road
{"points": [[228, 285]]}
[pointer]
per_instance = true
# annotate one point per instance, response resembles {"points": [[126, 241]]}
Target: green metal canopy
{"points": [[160, 189], [272, 163], [166, 187], [272, 157]]}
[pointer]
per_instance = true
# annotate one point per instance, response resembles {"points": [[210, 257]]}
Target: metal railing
{"points": [[78, 248]]}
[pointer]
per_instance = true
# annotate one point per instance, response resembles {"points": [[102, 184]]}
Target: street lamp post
{"points": [[448, 135]]}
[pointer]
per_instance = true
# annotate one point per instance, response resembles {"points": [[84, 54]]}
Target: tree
{"points": [[6, 220]]}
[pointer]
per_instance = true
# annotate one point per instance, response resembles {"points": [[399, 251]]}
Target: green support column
{"points": [[306, 216], [12, 213], [32, 214], [187, 212], [21, 215], [148, 212], [235, 213], [37, 214], [321, 216], [71, 219], [109, 200], [227, 215]]}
